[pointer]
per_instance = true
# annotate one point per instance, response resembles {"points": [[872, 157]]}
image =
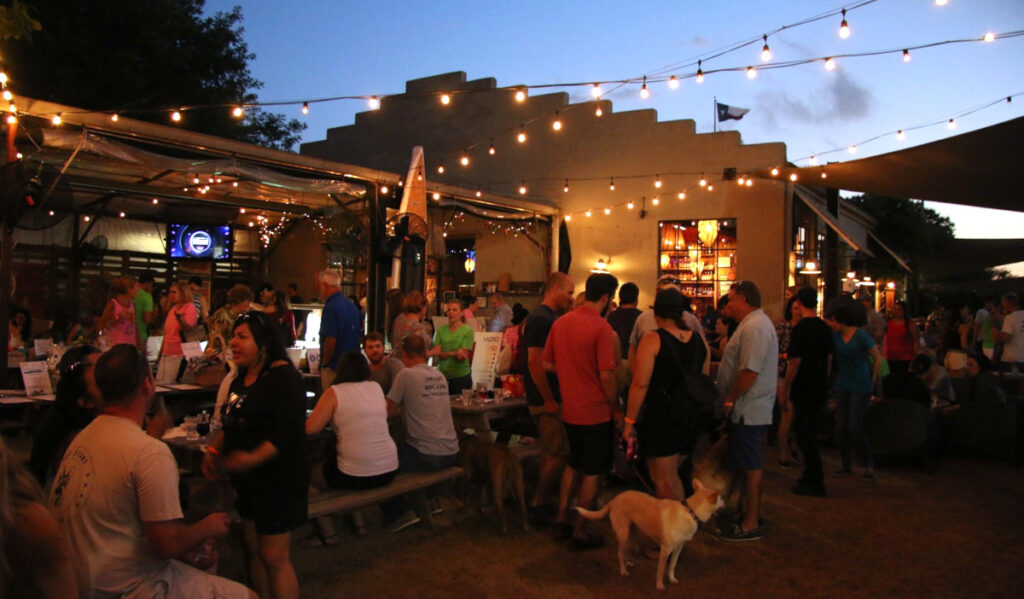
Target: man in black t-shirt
{"points": [[806, 385], [542, 389], [624, 317]]}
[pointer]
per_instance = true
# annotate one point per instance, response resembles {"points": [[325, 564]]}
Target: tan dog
{"points": [[492, 464], [715, 470], [667, 521]]}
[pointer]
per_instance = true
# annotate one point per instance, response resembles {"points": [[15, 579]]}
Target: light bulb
{"points": [[446, 99], [556, 124], [750, 182], [740, 181], [568, 217], [114, 117], [587, 213], [8, 95], [598, 111], [700, 73], [644, 92], [440, 169], [629, 204], [11, 119], [238, 112], [383, 188], [566, 188], [813, 160], [86, 218], [607, 211], [57, 120], [176, 116], [703, 182], [673, 82], [775, 171], [792, 177], [611, 185], [844, 27], [305, 108], [520, 95], [479, 193], [120, 214], [900, 135], [657, 181], [682, 195], [906, 56], [940, 2], [766, 53], [241, 210], [990, 36], [830, 64], [711, 187], [824, 175], [436, 196], [491, 150], [751, 72], [464, 161], [655, 201], [521, 138], [852, 149], [595, 91], [373, 102], [3, 78], [155, 201], [522, 188], [951, 124]]}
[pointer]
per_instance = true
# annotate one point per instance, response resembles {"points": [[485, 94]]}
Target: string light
{"points": [[11, 119], [566, 188], [751, 72], [384, 189], [611, 185], [479, 194], [700, 72], [305, 108], [607, 211], [673, 82], [703, 182], [595, 91], [238, 112], [86, 218], [813, 160], [241, 210], [951, 124], [114, 117], [464, 161], [373, 102], [644, 92], [830, 64], [824, 175], [446, 99], [766, 53], [436, 196], [587, 213], [3, 78], [844, 27], [155, 201], [56, 119], [8, 96], [940, 2], [852, 149], [740, 181], [900, 135], [598, 111], [750, 182], [440, 169], [176, 116], [990, 37], [682, 195], [906, 56], [491, 150], [655, 200], [657, 181], [775, 171], [520, 95], [792, 177], [568, 217], [711, 187], [522, 188], [521, 138], [629, 204], [557, 123], [121, 214]]}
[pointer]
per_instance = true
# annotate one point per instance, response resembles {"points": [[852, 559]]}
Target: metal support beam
{"points": [[833, 286]]}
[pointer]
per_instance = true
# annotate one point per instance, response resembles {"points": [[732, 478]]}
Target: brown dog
{"points": [[493, 465], [668, 522], [715, 470]]}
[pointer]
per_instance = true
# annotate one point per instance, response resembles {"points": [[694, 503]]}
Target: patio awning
{"points": [[982, 168], [817, 206], [888, 250]]}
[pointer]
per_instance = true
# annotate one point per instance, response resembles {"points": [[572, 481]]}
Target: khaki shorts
{"points": [[181, 581], [553, 439]]}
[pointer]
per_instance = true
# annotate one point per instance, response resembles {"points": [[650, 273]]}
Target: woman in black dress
{"points": [[664, 429], [262, 449]]}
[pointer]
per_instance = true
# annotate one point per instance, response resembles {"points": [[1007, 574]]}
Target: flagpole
{"points": [[714, 112]]}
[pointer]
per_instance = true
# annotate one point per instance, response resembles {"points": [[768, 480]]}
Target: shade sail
{"points": [[962, 256], [983, 168]]}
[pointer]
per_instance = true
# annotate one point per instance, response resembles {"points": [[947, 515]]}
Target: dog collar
{"points": [[693, 514]]}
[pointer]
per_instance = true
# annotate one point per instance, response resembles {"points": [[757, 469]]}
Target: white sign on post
{"points": [[485, 357]]}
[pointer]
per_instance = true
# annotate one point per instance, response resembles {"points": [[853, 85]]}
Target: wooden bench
{"points": [[413, 483]]}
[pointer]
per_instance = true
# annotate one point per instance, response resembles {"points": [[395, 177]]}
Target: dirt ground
{"points": [[909, 534]]}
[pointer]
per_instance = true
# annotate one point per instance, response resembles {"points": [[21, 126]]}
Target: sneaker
{"points": [[436, 507], [868, 476], [841, 473], [585, 543], [738, 534], [786, 464], [404, 521], [808, 490]]}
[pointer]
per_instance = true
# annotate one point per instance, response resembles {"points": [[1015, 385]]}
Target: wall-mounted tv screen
{"points": [[199, 241]]}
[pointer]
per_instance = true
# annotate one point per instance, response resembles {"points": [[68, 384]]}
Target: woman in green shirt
{"points": [[455, 341]]}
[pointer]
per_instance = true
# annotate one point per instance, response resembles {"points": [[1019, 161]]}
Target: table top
{"points": [[18, 397], [510, 403]]}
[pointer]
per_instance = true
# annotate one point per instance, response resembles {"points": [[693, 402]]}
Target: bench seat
{"points": [[334, 501]]}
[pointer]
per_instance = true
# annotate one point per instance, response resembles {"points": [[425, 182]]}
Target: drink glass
{"points": [[467, 397], [191, 426]]}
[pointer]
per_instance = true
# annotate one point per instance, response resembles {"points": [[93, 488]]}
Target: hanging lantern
{"points": [[707, 232], [664, 261], [470, 262]]}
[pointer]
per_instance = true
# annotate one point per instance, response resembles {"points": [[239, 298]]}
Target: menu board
{"points": [[485, 357], [36, 378]]}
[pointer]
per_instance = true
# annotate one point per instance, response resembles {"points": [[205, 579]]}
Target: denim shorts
{"points": [[745, 445]]}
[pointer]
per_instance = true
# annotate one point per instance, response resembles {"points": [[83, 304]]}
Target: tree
{"points": [[140, 57], [906, 226]]}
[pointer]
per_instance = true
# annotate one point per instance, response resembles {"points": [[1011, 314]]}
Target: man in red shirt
{"points": [[581, 350]]}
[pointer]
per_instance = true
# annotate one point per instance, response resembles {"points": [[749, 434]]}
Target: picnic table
{"points": [[479, 415]]}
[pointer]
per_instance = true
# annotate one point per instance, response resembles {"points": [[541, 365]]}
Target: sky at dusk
{"points": [[323, 48]]}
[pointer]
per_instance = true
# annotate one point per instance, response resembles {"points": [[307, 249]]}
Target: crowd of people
{"points": [[598, 381]]}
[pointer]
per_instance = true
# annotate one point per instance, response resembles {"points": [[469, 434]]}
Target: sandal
{"points": [[316, 540]]}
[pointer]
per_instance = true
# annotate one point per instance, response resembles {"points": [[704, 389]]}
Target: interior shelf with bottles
{"points": [[700, 253]]}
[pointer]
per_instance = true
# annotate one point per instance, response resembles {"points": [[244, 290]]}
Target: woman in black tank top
{"points": [[660, 421]]}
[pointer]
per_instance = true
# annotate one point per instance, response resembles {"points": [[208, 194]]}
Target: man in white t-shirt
{"points": [[116, 498], [420, 394], [1012, 333]]}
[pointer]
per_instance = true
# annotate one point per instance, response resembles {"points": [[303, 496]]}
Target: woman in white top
{"points": [[357, 411]]}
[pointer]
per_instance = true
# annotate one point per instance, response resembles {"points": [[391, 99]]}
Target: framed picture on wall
{"points": [[448, 296]]}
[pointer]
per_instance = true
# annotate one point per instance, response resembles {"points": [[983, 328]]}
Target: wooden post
{"points": [[7, 249]]}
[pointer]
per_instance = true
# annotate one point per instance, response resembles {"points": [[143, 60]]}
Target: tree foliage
{"points": [[906, 226], [16, 21], [138, 57]]}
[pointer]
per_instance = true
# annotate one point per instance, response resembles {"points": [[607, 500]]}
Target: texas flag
{"points": [[726, 112]]}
